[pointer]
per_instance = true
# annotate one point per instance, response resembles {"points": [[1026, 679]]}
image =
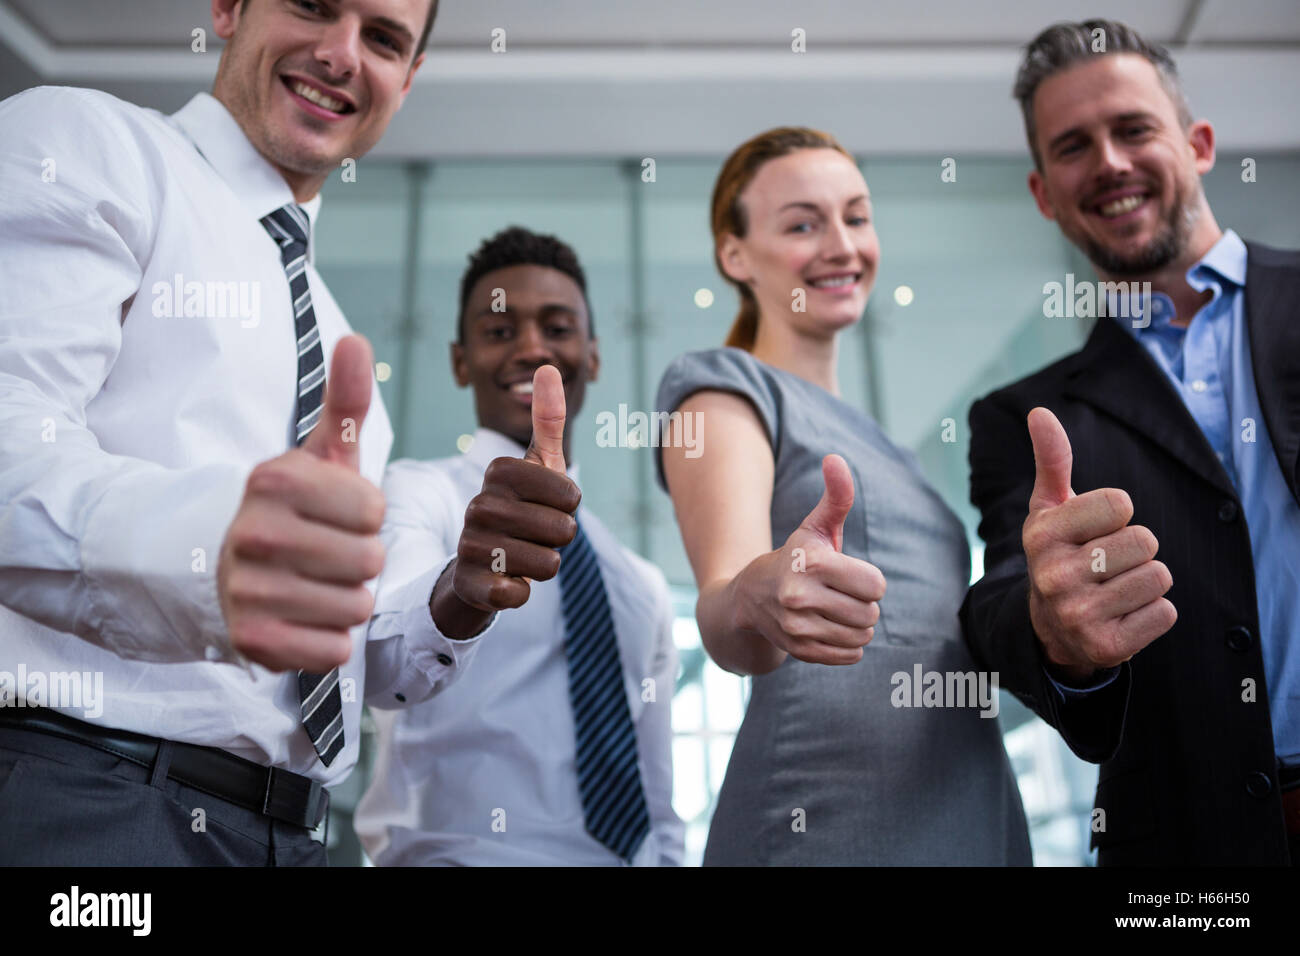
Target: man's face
{"points": [[1120, 174], [544, 322], [313, 82]]}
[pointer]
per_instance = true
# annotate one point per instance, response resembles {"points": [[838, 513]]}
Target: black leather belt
{"points": [[280, 794]]}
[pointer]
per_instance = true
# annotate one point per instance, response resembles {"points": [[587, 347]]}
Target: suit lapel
{"points": [[1273, 322], [1116, 375]]}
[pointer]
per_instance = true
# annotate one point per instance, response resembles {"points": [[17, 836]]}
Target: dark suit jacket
{"points": [[1188, 773]]}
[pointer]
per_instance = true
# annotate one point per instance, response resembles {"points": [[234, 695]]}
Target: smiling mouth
{"points": [[1121, 207], [521, 388], [316, 97], [836, 282]]}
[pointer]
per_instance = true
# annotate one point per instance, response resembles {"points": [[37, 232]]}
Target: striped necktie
{"points": [[322, 704], [609, 780]]}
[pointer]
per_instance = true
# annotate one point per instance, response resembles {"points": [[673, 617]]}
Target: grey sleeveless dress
{"points": [[826, 770]]}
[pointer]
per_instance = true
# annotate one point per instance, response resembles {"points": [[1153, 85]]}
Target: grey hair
{"points": [[1063, 45]]}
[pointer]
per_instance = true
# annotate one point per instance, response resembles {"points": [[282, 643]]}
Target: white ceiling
{"points": [[693, 77], [637, 23]]}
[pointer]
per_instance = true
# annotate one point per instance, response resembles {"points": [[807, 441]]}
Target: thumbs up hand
{"points": [[547, 447], [524, 511], [346, 402], [1095, 592], [305, 540], [809, 599]]}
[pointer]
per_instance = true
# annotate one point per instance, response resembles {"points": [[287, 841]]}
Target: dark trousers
{"points": [[64, 803]]}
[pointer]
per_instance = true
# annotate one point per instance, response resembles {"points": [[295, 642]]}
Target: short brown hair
{"points": [[1062, 45], [424, 34], [728, 215], [428, 27]]}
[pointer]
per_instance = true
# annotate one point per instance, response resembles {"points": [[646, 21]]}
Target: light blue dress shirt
{"points": [[1208, 363]]}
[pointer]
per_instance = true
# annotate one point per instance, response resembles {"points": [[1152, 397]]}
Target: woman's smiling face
{"points": [[810, 241]]}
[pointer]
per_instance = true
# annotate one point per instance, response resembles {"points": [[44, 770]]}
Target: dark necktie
{"points": [[609, 780], [322, 705]]}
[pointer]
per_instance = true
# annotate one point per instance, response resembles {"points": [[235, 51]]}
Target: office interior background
{"points": [[606, 121]]}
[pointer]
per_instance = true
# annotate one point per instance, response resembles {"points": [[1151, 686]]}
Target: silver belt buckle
{"points": [[322, 831]]}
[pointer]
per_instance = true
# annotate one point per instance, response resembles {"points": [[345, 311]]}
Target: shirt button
{"points": [[1228, 511], [1259, 784], [1240, 638], [1199, 385], [445, 660], [212, 654]]}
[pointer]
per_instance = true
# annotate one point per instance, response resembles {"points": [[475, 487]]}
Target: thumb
{"points": [[1053, 460], [827, 519], [347, 399], [547, 446]]}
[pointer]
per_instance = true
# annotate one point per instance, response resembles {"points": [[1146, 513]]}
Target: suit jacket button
{"points": [[1240, 639], [1259, 784], [1228, 510]]}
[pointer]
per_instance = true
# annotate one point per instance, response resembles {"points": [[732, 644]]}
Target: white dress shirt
{"points": [[485, 773], [132, 411]]}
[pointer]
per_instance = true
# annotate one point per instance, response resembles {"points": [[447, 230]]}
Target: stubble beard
{"points": [[275, 145], [1167, 246]]}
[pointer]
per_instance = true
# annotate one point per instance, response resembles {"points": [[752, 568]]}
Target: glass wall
{"points": [[956, 312]]}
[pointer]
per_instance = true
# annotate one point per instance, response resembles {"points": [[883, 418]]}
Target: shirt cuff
{"points": [[1105, 679], [408, 658]]}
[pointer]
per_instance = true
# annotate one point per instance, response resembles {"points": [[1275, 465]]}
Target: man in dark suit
{"points": [[1176, 427]]}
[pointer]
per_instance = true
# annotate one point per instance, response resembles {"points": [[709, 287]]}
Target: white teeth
{"points": [[834, 283], [319, 98], [522, 388], [1121, 206]]}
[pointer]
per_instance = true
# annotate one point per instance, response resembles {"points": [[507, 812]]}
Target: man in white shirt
{"points": [[188, 522], [515, 764]]}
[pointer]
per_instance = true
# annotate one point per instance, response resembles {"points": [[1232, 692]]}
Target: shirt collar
{"points": [[488, 444], [1226, 259], [1224, 262], [222, 142]]}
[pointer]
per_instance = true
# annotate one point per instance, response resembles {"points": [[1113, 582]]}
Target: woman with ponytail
{"points": [[798, 513]]}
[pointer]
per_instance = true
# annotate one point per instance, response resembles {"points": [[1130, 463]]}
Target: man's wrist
{"points": [[1073, 683], [455, 619], [1074, 677], [1066, 674]]}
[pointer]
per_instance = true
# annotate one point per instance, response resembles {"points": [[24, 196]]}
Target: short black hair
{"points": [[517, 246], [1062, 45]]}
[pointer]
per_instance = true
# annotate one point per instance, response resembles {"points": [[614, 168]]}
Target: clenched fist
{"points": [[1095, 588], [809, 599], [305, 540], [524, 511]]}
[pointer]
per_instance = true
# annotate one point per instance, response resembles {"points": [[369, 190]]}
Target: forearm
{"points": [[119, 551], [409, 658], [999, 631], [996, 624], [732, 647]]}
